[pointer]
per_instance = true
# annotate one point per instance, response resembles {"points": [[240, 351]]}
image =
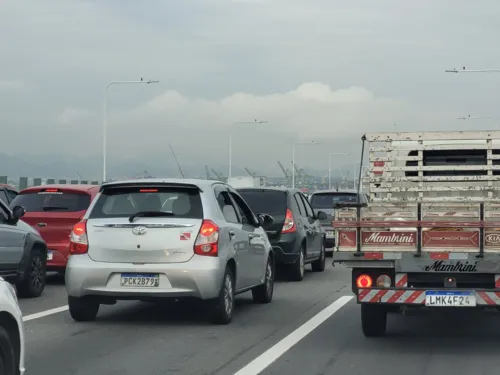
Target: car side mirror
{"points": [[265, 220], [18, 212], [321, 215]]}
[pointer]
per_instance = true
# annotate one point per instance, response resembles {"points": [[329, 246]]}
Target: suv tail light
{"points": [[289, 225], [207, 241], [79, 243]]}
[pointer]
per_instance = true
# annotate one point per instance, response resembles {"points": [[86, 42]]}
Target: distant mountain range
{"points": [[70, 167]]}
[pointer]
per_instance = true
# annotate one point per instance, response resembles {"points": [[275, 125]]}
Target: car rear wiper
{"points": [[54, 208], [149, 214]]}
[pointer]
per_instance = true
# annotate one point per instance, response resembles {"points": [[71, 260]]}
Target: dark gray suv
{"points": [[324, 200], [23, 253]]}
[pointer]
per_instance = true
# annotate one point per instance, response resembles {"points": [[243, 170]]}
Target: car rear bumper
{"points": [[286, 248], [329, 241], [59, 259], [201, 277]]}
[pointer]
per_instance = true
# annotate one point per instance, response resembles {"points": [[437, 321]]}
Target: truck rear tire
{"points": [[373, 320]]}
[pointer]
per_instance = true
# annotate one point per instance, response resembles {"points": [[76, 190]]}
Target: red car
{"points": [[53, 210]]}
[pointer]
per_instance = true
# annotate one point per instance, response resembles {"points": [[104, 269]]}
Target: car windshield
{"points": [[326, 200], [42, 201], [271, 202], [128, 201]]}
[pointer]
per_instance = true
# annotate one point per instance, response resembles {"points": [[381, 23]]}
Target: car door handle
{"points": [[231, 233], [42, 224], [251, 236]]}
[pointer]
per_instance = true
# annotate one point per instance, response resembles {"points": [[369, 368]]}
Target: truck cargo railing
{"points": [[416, 207], [465, 166]]}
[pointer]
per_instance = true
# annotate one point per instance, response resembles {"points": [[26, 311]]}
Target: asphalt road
{"points": [[132, 338]]}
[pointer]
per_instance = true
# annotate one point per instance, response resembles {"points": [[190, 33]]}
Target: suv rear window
{"points": [[265, 201], [326, 200], [59, 201], [182, 202]]}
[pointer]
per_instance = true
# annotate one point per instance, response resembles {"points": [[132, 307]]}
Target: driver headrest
{"points": [[182, 205]]}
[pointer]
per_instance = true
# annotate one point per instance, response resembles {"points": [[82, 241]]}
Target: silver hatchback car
{"points": [[168, 238]]}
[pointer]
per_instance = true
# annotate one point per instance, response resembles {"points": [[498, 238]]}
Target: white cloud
{"points": [[13, 85], [73, 116], [197, 126]]}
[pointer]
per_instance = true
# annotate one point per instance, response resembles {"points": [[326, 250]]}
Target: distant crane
{"points": [[175, 157], [218, 175], [208, 172], [286, 172], [252, 174]]}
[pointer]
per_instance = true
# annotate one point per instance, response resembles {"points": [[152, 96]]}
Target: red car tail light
{"points": [[289, 225], [364, 281], [79, 243], [207, 241]]}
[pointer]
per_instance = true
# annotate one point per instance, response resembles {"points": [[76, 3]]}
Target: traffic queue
{"points": [[157, 239]]}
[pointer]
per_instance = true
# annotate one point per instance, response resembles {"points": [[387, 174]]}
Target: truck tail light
{"points": [[364, 281]]}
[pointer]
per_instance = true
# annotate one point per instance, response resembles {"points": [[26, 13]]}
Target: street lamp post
{"points": [[469, 117], [330, 166], [311, 143], [231, 142], [105, 120], [464, 70]]}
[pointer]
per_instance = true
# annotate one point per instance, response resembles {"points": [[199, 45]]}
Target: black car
{"points": [[23, 253], [7, 193], [324, 200], [296, 233]]}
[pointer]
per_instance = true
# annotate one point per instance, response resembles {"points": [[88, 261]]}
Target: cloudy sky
{"points": [[324, 70]]}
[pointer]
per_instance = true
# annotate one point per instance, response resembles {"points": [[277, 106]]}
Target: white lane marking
{"points": [[263, 361], [42, 314]]}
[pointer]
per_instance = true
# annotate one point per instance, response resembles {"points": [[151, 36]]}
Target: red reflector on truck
{"points": [[374, 256], [439, 255]]}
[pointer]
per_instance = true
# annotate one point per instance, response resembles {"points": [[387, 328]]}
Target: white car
{"points": [[11, 332]]}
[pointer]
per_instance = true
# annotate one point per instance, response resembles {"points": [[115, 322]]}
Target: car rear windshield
{"points": [[326, 200], [182, 202], [58, 201], [265, 201]]}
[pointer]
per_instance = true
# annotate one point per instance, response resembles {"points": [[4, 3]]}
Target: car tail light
{"points": [[383, 281], [289, 225], [207, 241], [364, 281], [79, 243]]}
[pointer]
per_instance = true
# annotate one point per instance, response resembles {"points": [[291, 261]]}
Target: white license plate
{"points": [[50, 255], [140, 280], [330, 234], [443, 298]]}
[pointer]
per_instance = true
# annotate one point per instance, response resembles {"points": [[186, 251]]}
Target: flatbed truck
{"points": [[429, 236]]}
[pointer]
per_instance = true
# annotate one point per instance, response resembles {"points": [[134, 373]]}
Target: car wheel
{"points": [[33, 282], [264, 293], [83, 309], [297, 270], [7, 354], [223, 305], [319, 265], [373, 320]]}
